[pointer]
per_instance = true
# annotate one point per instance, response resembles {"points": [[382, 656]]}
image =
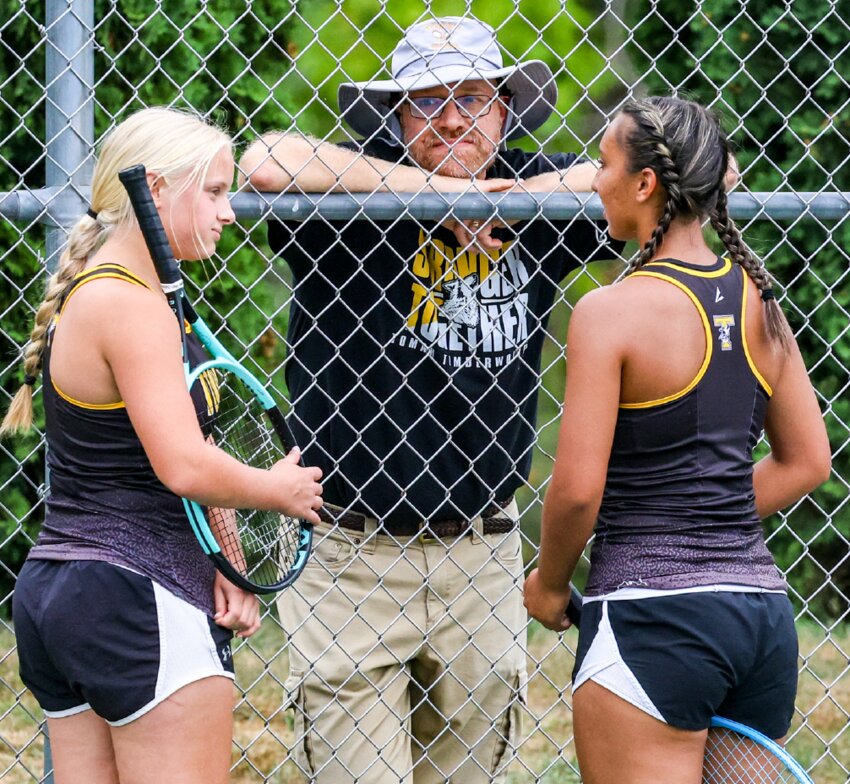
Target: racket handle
{"points": [[574, 606], [135, 181]]}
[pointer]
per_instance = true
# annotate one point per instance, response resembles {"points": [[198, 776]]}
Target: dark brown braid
{"points": [[650, 149], [775, 321], [656, 238]]}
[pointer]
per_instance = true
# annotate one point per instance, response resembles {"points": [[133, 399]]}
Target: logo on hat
{"points": [[443, 33]]}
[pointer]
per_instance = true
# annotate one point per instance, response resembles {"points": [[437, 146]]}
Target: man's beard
{"points": [[470, 160]]}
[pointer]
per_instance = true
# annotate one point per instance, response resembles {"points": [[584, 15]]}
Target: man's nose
{"points": [[451, 118]]}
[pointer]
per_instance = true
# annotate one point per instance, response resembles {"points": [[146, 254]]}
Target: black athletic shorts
{"points": [[92, 635], [687, 657]]}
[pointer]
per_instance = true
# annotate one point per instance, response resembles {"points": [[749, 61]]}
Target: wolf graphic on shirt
{"points": [[460, 303], [467, 304]]}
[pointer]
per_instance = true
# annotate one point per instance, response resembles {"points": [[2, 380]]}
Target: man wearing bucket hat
{"points": [[415, 355], [448, 52]]}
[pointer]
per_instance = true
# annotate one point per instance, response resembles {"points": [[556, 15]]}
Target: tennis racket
{"points": [[734, 752], [259, 550]]}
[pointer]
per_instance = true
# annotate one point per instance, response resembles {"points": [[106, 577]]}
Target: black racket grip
{"points": [[574, 606], [135, 181], [189, 311]]}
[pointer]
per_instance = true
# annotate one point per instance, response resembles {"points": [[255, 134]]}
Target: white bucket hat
{"points": [[442, 52]]}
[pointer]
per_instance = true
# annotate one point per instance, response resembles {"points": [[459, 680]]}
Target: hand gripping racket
{"points": [[259, 550], [733, 752]]}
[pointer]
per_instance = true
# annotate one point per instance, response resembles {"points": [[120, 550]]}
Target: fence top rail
{"points": [[780, 205], [58, 207]]}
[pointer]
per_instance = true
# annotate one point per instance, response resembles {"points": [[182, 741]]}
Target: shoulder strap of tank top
{"points": [[115, 271]]}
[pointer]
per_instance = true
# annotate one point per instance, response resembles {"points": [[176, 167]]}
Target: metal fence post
{"points": [[69, 76], [70, 107]]}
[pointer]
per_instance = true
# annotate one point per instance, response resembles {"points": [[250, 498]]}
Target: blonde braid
{"points": [[84, 239]]}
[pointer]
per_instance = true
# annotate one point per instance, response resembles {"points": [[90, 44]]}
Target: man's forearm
{"points": [[286, 162], [575, 179], [280, 162]]}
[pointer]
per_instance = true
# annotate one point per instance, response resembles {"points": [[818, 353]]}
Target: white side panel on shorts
{"points": [[604, 665]]}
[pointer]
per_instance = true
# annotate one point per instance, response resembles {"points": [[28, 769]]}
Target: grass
{"points": [[264, 736]]}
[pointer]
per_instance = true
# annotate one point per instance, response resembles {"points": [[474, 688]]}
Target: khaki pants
{"points": [[407, 659]]}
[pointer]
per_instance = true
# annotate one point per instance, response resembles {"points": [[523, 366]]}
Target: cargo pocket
{"points": [[332, 550], [509, 729], [296, 700]]}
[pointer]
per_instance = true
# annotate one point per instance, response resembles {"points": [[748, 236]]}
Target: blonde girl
{"points": [[123, 626]]}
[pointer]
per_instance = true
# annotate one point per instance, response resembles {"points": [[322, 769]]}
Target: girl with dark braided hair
{"points": [[673, 374]]}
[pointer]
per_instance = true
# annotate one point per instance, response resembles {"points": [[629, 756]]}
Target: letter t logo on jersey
{"points": [[724, 332]]}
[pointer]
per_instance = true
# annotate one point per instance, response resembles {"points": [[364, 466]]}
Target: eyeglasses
{"points": [[470, 106]]}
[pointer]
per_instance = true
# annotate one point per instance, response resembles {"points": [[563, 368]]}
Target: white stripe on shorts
{"points": [[604, 665], [187, 649], [69, 712]]}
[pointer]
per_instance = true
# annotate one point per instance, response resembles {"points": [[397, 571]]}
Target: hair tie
{"points": [[30, 381], [91, 213], [767, 294]]}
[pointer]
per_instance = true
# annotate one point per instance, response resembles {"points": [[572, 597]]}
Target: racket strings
{"points": [[731, 758], [262, 545]]}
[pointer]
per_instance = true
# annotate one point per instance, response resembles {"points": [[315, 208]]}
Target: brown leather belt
{"points": [[492, 523]]}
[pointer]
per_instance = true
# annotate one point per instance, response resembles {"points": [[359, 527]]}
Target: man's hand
{"points": [[476, 232], [440, 183]]}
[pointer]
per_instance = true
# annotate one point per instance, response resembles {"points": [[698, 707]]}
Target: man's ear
{"points": [[648, 185], [504, 106], [400, 115]]}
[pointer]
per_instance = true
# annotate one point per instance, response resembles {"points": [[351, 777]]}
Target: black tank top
{"points": [[105, 501], [678, 509]]}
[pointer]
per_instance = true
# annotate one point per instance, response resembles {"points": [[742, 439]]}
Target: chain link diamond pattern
{"points": [[772, 72]]}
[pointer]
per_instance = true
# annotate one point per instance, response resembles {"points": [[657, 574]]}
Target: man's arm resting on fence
{"points": [[579, 178], [279, 162], [575, 179]]}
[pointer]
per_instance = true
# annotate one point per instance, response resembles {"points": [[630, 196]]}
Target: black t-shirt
{"points": [[414, 363]]}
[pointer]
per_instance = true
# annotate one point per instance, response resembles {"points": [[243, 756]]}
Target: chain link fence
{"points": [[70, 70]]}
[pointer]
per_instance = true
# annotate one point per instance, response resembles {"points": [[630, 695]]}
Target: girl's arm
{"points": [[140, 340], [591, 399], [800, 457]]}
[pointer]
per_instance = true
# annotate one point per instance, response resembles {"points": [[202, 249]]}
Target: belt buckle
{"points": [[426, 535]]}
